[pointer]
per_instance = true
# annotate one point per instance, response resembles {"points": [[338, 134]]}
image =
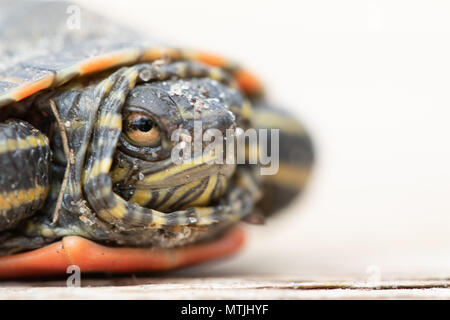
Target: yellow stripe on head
{"points": [[181, 69], [165, 174], [110, 120], [118, 211], [206, 194], [106, 85], [216, 74], [119, 173], [188, 190], [141, 197], [99, 167]]}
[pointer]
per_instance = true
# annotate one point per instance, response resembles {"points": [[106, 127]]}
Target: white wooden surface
{"points": [[227, 288], [267, 270]]}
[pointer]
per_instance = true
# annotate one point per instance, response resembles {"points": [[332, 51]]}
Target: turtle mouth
{"points": [[177, 175], [197, 183]]}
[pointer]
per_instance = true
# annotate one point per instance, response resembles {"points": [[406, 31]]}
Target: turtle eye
{"points": [[141, 130]]}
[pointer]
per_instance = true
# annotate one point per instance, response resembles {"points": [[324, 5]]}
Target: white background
{"points": [[371, 81]]}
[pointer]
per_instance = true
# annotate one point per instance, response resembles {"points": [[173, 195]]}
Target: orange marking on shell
{"points": [[46, 261], [228, 244], [101, 63], [31, 88], [211, 59], [93, 257], [152, 54], [247, 81], [160, 53]]}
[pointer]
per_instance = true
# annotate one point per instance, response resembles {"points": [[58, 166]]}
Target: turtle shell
{"points": [[62, 52]]}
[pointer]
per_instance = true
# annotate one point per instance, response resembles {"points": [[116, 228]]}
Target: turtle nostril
{"points": [[218, 117]]}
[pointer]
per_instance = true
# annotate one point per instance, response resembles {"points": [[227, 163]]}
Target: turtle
{"points": [[88, 114]]}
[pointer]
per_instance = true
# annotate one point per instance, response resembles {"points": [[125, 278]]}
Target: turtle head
{"points": [[172, 151]]}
